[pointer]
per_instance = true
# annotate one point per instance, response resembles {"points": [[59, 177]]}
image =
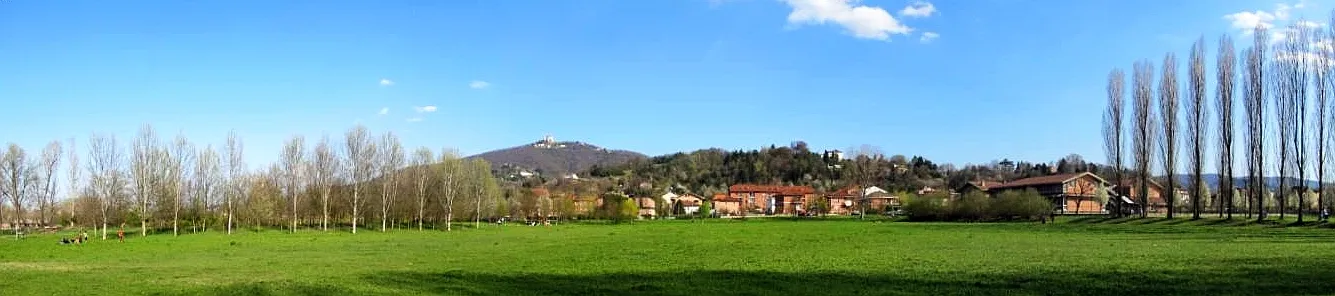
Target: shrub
{"points": [[705, 209], [1007, 205], [974, 206], [629, 210], [1021, 205], [925, 208]]}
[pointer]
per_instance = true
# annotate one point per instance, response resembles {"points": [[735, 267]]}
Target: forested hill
{"points": [[553, 158], [710, 171]]}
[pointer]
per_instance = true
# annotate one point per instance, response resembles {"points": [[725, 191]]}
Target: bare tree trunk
{"points": [[236, 167], [422, 158], [1112, 130], [1225, 66], [1299, 69], [50, 163], [1196, 127], [1321, 136], [1281, 82], [450, 168], [18, 175], [1168, 106], [361, 155], [1255, 109], [293, 160], [1143, 133]]}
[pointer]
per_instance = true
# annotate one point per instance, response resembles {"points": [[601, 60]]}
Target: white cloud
{"points": [[384, 111], [386, 82], [1249, 20], [425, 109], [918, 9], [866, 22], [927, 37], [415, 119], [479, 84]]}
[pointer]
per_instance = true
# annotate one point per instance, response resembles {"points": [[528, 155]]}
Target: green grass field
{"points": [[756, 257]]}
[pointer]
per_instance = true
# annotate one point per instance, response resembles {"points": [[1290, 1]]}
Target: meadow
{"points": [[1091, 256]]}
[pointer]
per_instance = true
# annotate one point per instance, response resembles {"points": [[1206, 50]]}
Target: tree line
{"points": [[176, 186], [1284, 95], [709, 171]]}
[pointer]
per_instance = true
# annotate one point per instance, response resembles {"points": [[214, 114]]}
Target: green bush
{"points": [[1021, 205], [1006, 205], [925, 208], [629, 210], [705, 209], [974, 206]]}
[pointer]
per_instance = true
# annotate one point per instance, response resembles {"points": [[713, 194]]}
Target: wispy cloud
{"points": [[386, 82], [383, 111], [927, 37], [415, 119], [861, 21], [425, 109], [1246, 21], [479, 84], [918, 9]]}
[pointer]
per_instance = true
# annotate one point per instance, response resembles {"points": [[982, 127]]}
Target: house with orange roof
{"points": [[1131, 190], [1072, 193], [725, 205], [771, 199]]}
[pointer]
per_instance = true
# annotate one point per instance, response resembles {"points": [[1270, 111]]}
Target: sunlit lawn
{"points": [[756, 257]]}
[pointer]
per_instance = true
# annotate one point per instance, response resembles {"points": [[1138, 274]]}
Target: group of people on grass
{"points": [[82, 237], [77, 240]]}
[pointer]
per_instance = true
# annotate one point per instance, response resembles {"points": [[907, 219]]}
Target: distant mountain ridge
{"points": [[552, 158], [1271, 182]]}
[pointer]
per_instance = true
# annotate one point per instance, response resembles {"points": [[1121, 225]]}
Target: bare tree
{"points": [[422, 172], [1224, 106], [208, 172], [1298, 69], [293, 153], [1196, 125], [1254, 105], [1142, 138], [1324, 83], [17, 173], [1168, 106], [236, 176], [1281, 82], [106, 161], [50, 162], [142, 168], [1113, 142], [182, 155], [361, 153], [479, 172], [391, 160], [450, 168], [73, 177], [323, 168]]}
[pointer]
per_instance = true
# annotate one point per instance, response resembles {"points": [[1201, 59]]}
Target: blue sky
{"points": [[955, 81]]}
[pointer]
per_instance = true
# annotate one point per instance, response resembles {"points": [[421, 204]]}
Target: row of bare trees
{"points": [[1292, 73], [176, 186]]}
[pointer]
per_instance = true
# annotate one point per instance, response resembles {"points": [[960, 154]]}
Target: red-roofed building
{"points": [[771, 200], [1071, 193], [726, 205], [1131, 190]]}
